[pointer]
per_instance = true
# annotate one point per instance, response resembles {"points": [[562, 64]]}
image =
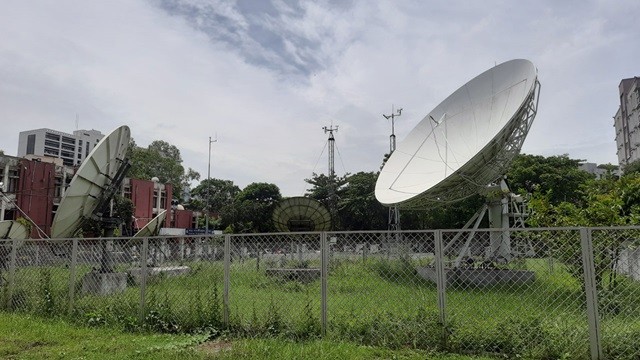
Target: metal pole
{"points": [[591, 293], [227, 274], [394, 212], [206, 207], [441, 284], [12, 273], [72, 274], [324, 271], [332, 173], [143, 277]]}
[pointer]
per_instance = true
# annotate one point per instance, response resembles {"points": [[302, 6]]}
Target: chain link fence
{"points": [[532, 293]]}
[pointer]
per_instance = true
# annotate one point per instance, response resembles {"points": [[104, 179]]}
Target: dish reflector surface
{"points": [[91, 179], [466, 142], [10, 229], [301, 214]]}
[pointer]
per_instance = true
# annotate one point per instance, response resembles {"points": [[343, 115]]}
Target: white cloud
{"points": [[267, 81]]}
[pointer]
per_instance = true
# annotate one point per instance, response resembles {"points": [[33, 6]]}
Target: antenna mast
{"points": [[394, 212], [332, 173], [206, 207]]}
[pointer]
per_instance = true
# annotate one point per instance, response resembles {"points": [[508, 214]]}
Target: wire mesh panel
{"points": [[617, 268], [376, 294], [275, 284], [103, 292], [517, 293], [183, 283], [34, 276]]}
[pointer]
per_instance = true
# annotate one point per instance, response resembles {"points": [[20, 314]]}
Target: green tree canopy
{"points": [[218, 192], [162, 160], [632, 167], [322, 186], [251, 209], [358, 208], [557, 176]]}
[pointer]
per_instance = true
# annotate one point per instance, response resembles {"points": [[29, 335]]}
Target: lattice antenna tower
{"points": [[332, 173], [394, 212]]}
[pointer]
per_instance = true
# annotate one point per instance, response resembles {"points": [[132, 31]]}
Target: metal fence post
{"points": [[72, 274], [324, 271], [441, 284], [227, 274], [12, 273], [591, 293], [143, 277]]}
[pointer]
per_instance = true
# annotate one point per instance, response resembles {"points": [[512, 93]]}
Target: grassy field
{"points": [[29, 337], [380, 303]]}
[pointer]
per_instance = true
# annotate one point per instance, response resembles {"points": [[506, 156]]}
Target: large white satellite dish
{"points": [[10, 229], [153, 227], [93, 185], [466, 142]]}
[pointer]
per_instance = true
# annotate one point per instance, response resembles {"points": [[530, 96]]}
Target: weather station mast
{"points": [[208, 204], [331, 181], [394, 212]]}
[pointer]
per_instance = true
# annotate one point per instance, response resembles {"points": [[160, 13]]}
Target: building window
{"points": [[31, 144], [49, 151], [68, 140], [53, 144], [51, 136]]}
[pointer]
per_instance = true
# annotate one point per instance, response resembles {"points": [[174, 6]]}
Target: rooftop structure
{"points": [[71, 148]]}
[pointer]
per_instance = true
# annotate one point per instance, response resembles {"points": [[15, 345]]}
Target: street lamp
{"points": [[206, 207]]}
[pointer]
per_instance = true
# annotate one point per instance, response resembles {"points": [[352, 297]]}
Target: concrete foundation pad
{"points": [[104, 283], [479, 277], [302, 275], [169, 271]]}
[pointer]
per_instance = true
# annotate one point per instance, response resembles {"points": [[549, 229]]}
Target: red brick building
{"points": [[37, 185]]}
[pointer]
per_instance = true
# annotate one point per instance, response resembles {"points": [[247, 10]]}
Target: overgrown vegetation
{"points": [[377, 301]]}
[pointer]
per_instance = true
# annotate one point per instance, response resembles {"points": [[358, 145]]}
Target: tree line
{"points": [[561, 195]]}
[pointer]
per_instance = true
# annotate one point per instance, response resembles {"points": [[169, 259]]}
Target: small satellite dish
{"points": [[466, 142], [10, 229], [153, 227], [301, 213], [93, 185]]}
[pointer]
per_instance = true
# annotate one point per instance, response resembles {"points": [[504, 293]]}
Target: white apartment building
{"points": [[627, 121], [71, 148]]}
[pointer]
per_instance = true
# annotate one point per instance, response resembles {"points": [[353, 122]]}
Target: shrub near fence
{"points": [[561, 293]]}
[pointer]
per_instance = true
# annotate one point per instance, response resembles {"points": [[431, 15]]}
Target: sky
{"points": [[263, 77]]}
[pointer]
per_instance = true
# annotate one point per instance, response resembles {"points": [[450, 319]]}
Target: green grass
{"points": [[378, 302], [29, 337]]}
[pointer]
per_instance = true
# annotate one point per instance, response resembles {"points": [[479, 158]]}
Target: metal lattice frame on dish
{"points": [[301, 214]]}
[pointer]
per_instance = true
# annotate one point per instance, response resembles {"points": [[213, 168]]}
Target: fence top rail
{"points": [[327, 233]]}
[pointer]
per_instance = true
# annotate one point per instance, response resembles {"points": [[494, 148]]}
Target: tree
{"points": [[162, 160], [632, 167], [252, 208], [322, 188], [221, 193], [358, 208], [605, 202], [557, 176]]}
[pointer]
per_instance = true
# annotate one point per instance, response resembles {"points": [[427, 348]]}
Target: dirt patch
{"points": [[214, 347]]}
